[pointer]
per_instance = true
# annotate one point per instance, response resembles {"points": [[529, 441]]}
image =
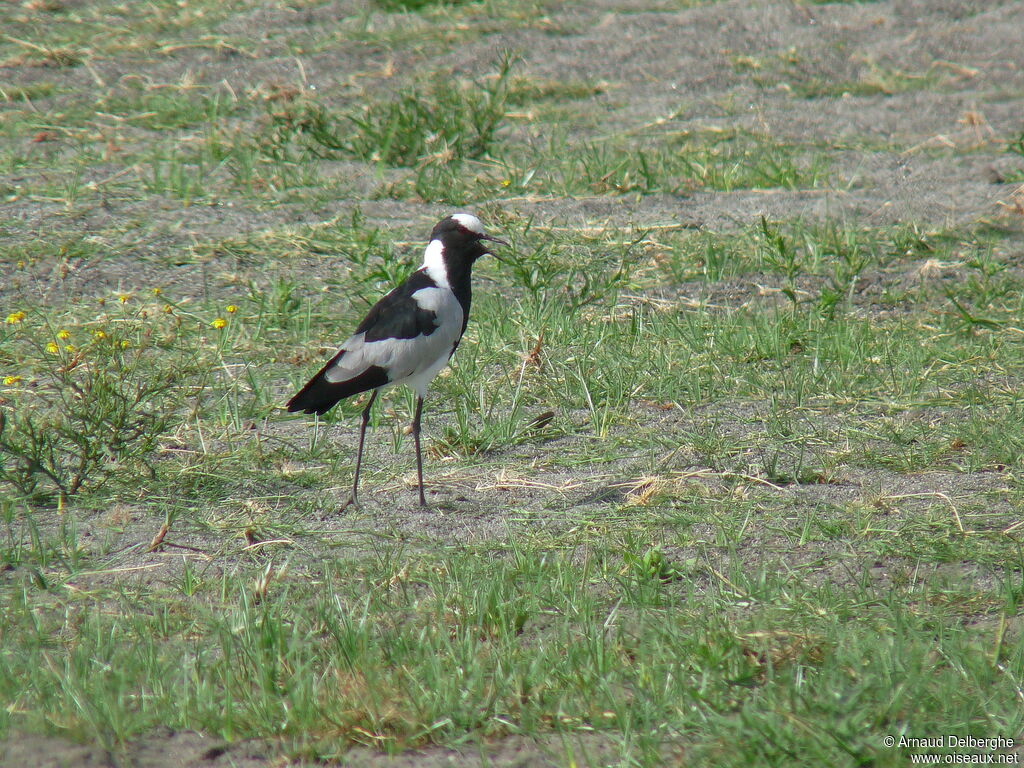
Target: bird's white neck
{"points": [[433, 263]]}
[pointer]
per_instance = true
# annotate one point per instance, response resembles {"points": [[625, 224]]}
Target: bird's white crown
{"points": [[470, 222]]}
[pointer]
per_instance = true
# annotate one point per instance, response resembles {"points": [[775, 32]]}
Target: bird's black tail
{"points": [[320, 395]]}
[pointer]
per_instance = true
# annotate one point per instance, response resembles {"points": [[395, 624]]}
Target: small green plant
{"points": [[553, 271], [678, 164], [968, 319], [782, 256], [176, 176], [652, 565], [166, 108], [88, 413], [1016, 146], [440, 119], [411, 6]]}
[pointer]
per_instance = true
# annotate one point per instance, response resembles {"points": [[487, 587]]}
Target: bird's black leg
{"points": [[359, 451], [416, 439]]}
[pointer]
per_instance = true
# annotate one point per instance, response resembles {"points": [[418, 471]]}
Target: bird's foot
{"points": [[349, 503]]}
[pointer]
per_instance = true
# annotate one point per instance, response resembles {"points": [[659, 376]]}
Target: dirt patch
{"points": [[192, 750]]}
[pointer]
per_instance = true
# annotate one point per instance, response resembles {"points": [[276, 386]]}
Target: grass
{"points": [[52, 34], [414, 5], [1015, 146], [538, 651], [723, 496], [642, 621], [431, 119], [428, 141]]}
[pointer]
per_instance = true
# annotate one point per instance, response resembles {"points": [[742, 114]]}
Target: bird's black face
{"points": [[463, 237]]}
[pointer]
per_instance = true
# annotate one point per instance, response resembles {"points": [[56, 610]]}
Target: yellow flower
{"points": [[219, 323], [123, 298], [69, 347], [124, 343], [9, 380], [21, 264], [15, 317], [99, 334], [101, 301], [156, 291], [168, 309], [52, 348], [63, 334], [231, 308], [506, 182]]}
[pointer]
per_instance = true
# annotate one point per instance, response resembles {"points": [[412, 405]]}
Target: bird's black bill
{"points": [[493, 239], [500, 242]]}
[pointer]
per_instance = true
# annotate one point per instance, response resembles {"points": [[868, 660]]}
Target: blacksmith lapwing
{"points": [[408, 336]]}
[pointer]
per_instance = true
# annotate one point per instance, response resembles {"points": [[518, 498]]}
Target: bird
{"points": [[408, 336]]}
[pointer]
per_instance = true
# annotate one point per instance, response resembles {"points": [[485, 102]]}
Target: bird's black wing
{"points": [[398, 315]]}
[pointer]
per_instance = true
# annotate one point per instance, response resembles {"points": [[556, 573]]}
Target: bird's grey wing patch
{"points": [[352, 359]]}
